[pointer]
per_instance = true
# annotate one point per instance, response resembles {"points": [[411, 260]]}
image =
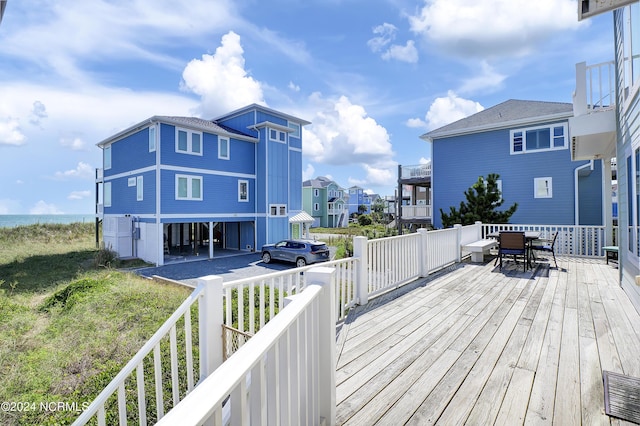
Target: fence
{"points": [[256, 373]]}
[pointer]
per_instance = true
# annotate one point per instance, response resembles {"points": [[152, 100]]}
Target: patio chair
{"points": [[513, 243], [548, 246]]}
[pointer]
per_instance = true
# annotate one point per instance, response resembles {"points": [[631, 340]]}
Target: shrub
{"points": [[105, 257]]}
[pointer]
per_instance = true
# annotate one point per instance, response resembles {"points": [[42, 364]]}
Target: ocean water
{"points": [[12, 220]]}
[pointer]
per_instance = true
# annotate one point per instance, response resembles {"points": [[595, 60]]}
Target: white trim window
{"points": [[188, 141], [277, 209], [223, 148], [107, 157], [295, 129], [139, 188], [543, 187], [106, 194], [188, 187], [243, 191], [277, 135], [152, 138], [539, 139]]}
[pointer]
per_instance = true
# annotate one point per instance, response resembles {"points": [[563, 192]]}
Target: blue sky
{"points": [[371, 76]]}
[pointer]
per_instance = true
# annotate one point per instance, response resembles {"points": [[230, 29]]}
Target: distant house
{"points": [[324, 200], [414, 183], [357, 198], [183, 186], [528, 144]]}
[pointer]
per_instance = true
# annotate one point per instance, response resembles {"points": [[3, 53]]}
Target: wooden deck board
{"points": [[480, 346]]}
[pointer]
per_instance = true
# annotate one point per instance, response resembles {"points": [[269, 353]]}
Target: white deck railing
{"points": [[416, 211], [417, 171], [276, 375]]}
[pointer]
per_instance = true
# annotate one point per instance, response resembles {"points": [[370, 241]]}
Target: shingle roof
{"points": [[319, 182], [205, 124], [502, 115]]}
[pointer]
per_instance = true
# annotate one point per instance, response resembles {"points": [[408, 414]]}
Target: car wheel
{"points": [[266, 257], [300, 262]]}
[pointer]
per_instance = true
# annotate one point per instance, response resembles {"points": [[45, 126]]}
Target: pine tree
{"points": [[483, 200]]}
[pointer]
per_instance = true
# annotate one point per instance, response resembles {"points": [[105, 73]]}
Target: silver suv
{"points": [[300, 252]]}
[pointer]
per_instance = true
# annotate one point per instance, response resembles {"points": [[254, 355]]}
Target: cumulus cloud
{"points": [[488, 79], [308, 172], [382, 43], [492, 27], [343, 133], [221, 80], [82, 171], [42, 207], [293, 86], [38, 113], [446, 110], [10, 132], [74, 143], [79, 195]]}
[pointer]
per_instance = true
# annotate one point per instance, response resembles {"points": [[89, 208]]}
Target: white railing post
{"points": [[324, 276], [362, 277], [458, 228], [422, 252], [210, 325], [479, 230]]}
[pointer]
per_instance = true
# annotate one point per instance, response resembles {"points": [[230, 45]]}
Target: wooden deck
{"points": [[478, 346]]}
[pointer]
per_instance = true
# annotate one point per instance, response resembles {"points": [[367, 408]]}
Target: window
{"points": [[223, 148], [152, 138], [139, 188], [295, 127], [316, 207], [107, 194], [188, 187], [536, 139], [277, 209], [277, 135], [188, 142], [107, 157], [243, 190], [543, 187], [316, 192]]}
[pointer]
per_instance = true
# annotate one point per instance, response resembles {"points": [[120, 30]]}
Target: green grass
{"points": [[66, 326]]}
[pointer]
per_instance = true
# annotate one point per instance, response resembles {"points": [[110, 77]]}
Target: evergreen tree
{"points": [[483, 200]]}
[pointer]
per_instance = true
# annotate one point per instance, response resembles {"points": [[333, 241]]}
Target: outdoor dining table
{"points": [[529, 236]]}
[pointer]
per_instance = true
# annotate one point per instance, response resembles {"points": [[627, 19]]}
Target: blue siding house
{"points": [[528, 144], [357, 198], [176, 187]]}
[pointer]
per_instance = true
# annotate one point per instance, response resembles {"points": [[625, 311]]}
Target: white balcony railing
{"points": [[595, 87], [416, 211], [417, 171], [285, 373]]}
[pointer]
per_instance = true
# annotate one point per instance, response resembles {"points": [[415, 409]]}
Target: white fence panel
{"points": [[392, 262], [442, 248]]}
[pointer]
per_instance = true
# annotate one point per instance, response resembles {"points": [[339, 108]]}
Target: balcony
{"points": [[593, 126], [418, 174], [422, 211], [442, 340]]}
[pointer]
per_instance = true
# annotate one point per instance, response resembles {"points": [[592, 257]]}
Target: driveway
{"points": [[229, 268]]}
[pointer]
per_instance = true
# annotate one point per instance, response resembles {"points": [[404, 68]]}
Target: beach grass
{"points": [[67, 326]]}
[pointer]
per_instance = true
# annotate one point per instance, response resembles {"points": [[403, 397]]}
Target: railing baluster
{"points": [[122, 404], [188, 344], [157, 367], [142, 403], [252, 312], [174, 365]]}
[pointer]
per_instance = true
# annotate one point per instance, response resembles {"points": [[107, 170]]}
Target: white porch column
{"points": [[362, 277], [210, 325], [422, 252], [324, 276]]}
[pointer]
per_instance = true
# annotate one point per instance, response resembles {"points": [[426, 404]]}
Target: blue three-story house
{"points": [[178, 187]]}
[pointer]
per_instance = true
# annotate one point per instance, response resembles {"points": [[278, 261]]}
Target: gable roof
{"points": [[263, 108], [319, 182], [507, 114]]}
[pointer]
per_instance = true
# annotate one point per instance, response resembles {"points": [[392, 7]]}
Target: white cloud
{"points": [[448, 109], [9, 206], [343, 133], [308, 172], [38, 113], [407, 53], [493, 27], [416, 123], [489, 79], [43, 208], [293, 86], [379, 176], [10, 132], [221, 80], [79, 195], [82, 171], [385, 34], [76, 144], [424, 160]]}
